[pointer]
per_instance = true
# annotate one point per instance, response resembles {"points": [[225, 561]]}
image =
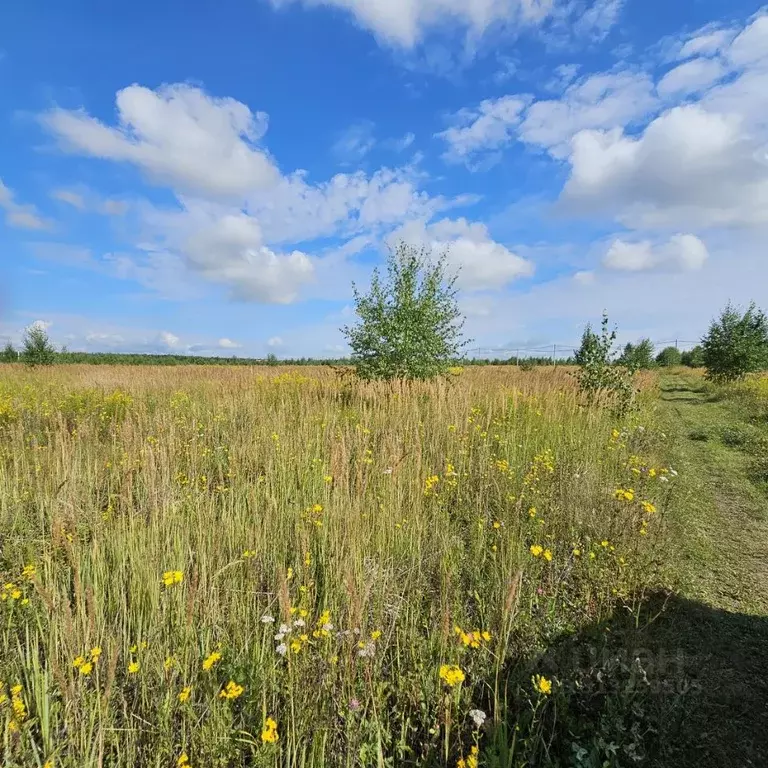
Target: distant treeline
{"points": [[122, 358], [115, 358]]}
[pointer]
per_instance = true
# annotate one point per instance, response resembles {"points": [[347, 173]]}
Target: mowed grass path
{"points": [[716, 628]]}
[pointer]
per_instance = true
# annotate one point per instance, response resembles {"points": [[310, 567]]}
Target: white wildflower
{"points": [[284, 628], [267, 619], [282, 649], [299, 623], [478, 717]]}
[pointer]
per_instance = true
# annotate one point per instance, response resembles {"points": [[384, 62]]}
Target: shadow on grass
{"points": [[675, 684]]}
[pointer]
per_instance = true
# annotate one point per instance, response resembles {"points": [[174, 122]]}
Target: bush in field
{"points": [[409, 323], [598, 374], [9, 354], [693, 358], [736, 344], [669, 356], [37, 347], [638, 356]]}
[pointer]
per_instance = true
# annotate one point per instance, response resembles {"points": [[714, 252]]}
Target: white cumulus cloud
{"points": [[681, 253], [177, 135], [481, 263], [405, 23]]}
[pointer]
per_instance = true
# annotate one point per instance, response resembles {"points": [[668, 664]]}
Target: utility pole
{"points": [[554, 355]]}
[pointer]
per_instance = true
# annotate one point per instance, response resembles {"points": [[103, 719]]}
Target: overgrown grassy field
{"points": [[262, 567]]}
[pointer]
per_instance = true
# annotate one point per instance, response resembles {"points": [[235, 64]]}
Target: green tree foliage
{"points": [[638, 356], [409, 323], [600, 377], [669, 357], [9, 354], [37, 348], [693, 358], [736, 344]]}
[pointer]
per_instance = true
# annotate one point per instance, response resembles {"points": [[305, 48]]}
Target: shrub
{"points": [[410, 324], [736, 344], [669, 357], [38, 349], [598, 374], [693, 358], [9, 354], [638, 356]]}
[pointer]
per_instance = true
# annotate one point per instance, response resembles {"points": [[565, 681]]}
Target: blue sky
{"points": [[211, 177]]}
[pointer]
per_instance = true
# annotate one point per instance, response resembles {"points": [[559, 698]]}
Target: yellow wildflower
{"points": [[172, 577], [269, 732], [29, 572], [78, 662], [624, 494], [376, 634], [429, 485], [536, 550], [231, 690], [168, 663], [86, 668], [548, 555], [451, 675], [471, 761], [648, 507], [185, 693], [542, 685], [183, 761], [134, 667], [95, 653], [210, 660]]}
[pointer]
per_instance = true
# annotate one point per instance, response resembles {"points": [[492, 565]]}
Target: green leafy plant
{"points": [[669, 357], [638, 356], [410, 326], [693, 358], [600, 377], [37, 348], [736, 344], [9, 354]]}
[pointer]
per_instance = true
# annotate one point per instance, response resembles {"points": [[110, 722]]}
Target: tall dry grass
{"points": [[381, 525]]}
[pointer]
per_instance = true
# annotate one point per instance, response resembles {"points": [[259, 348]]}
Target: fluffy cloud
{"points": [[228, 344], [239, 220], [600, 101], [482, 263], [598, 20], [17, 215], [698, 165], [690, 167], [177, 135], [490, 126], [691, 77], [227, 247], [405, 23], [682, 253]]}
